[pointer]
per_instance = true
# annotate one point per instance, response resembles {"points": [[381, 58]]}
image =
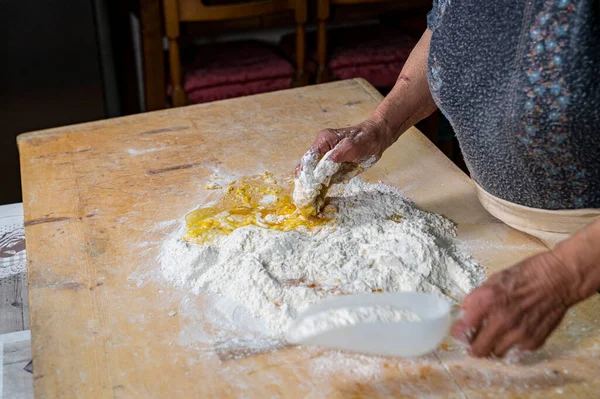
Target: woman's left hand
{"points": [[517, 307]]}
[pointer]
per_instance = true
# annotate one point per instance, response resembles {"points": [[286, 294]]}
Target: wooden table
{"points": [[100, 197]]}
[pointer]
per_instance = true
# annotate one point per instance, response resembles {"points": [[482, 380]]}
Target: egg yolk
{"points": [[257, 200]]}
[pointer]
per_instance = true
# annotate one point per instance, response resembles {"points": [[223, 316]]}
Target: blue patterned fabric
{"points": [[520, 83]]}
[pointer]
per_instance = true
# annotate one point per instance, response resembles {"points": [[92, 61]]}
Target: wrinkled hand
{"points": [[517, 307], [357, 147]]}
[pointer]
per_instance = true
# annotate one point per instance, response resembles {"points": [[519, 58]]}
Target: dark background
{"points": [[64, 62], [74, 61]]}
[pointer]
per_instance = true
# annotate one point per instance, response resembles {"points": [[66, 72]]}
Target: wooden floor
{"points": [[15, 343]]}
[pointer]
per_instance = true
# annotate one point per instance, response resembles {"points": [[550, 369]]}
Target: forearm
{"points": [[580, 255], [410, 100]]}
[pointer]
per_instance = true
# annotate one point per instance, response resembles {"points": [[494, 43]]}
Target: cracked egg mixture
{"points": [[259, 200]]}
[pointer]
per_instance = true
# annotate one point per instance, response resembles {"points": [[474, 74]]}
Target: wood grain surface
{"points": [[101, 197]]}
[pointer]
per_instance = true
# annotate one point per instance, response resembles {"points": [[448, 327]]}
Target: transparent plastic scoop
{"points": [[402, 338]]}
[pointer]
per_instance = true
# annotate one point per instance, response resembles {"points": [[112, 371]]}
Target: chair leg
{"points": [[301, 75], [301, 15], [322, 17], [172, 29], [178, 96]]}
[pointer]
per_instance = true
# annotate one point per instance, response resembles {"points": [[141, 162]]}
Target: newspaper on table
{"points": [[12, 240]]}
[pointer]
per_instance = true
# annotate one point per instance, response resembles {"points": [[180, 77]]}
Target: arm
{"points": [[407, 103], [410, 100], [520, 306], [581, 256]]}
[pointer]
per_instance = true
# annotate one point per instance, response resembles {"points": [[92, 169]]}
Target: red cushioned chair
{"points": [[376, 53], [226, 70], [360, 46]]}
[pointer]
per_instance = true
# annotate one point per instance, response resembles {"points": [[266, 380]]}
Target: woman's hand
{"points": [[355, 144], [359, 147], [520, 306], [516, 308], [356, 148]]}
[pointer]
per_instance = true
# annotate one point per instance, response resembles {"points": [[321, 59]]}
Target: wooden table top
{"points": [[101, 197]]}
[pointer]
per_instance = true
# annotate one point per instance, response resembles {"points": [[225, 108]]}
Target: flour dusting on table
{"points": [[378, 241]]}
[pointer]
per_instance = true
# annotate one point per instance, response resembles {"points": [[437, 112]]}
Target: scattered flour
{"points": [[343, 317], [378, 241], [134, 151]]}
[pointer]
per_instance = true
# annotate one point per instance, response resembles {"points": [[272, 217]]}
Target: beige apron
{"points": [[549, 226]]}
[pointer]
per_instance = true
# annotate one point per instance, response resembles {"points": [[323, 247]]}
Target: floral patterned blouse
{"points": [[520, 83]]}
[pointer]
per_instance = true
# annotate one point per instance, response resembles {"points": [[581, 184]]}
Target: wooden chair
{"points": [[178, 11], [324, 13]]}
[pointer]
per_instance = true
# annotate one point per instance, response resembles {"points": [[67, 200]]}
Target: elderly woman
{"points": [[520, 83]]}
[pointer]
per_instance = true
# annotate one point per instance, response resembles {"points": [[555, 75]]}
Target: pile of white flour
{"points": [[378, 241]]}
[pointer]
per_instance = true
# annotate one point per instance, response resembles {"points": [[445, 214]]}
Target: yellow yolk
{"points": [[259, 201]]}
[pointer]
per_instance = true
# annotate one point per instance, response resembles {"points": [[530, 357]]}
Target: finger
{"points": [[491, 332], [346, 172], [368, 163], [475, 306], [511, 339], [308, 161], [326, 141], [349, 170], [346, 151], [463, 332], [529, 338]]}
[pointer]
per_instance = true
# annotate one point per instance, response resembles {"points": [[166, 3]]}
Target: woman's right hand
{"points": [[356, 147], [354, 144], [360, 146]]}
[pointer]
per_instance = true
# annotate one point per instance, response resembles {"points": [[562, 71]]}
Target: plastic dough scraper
{"points": [[411, 337]]}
